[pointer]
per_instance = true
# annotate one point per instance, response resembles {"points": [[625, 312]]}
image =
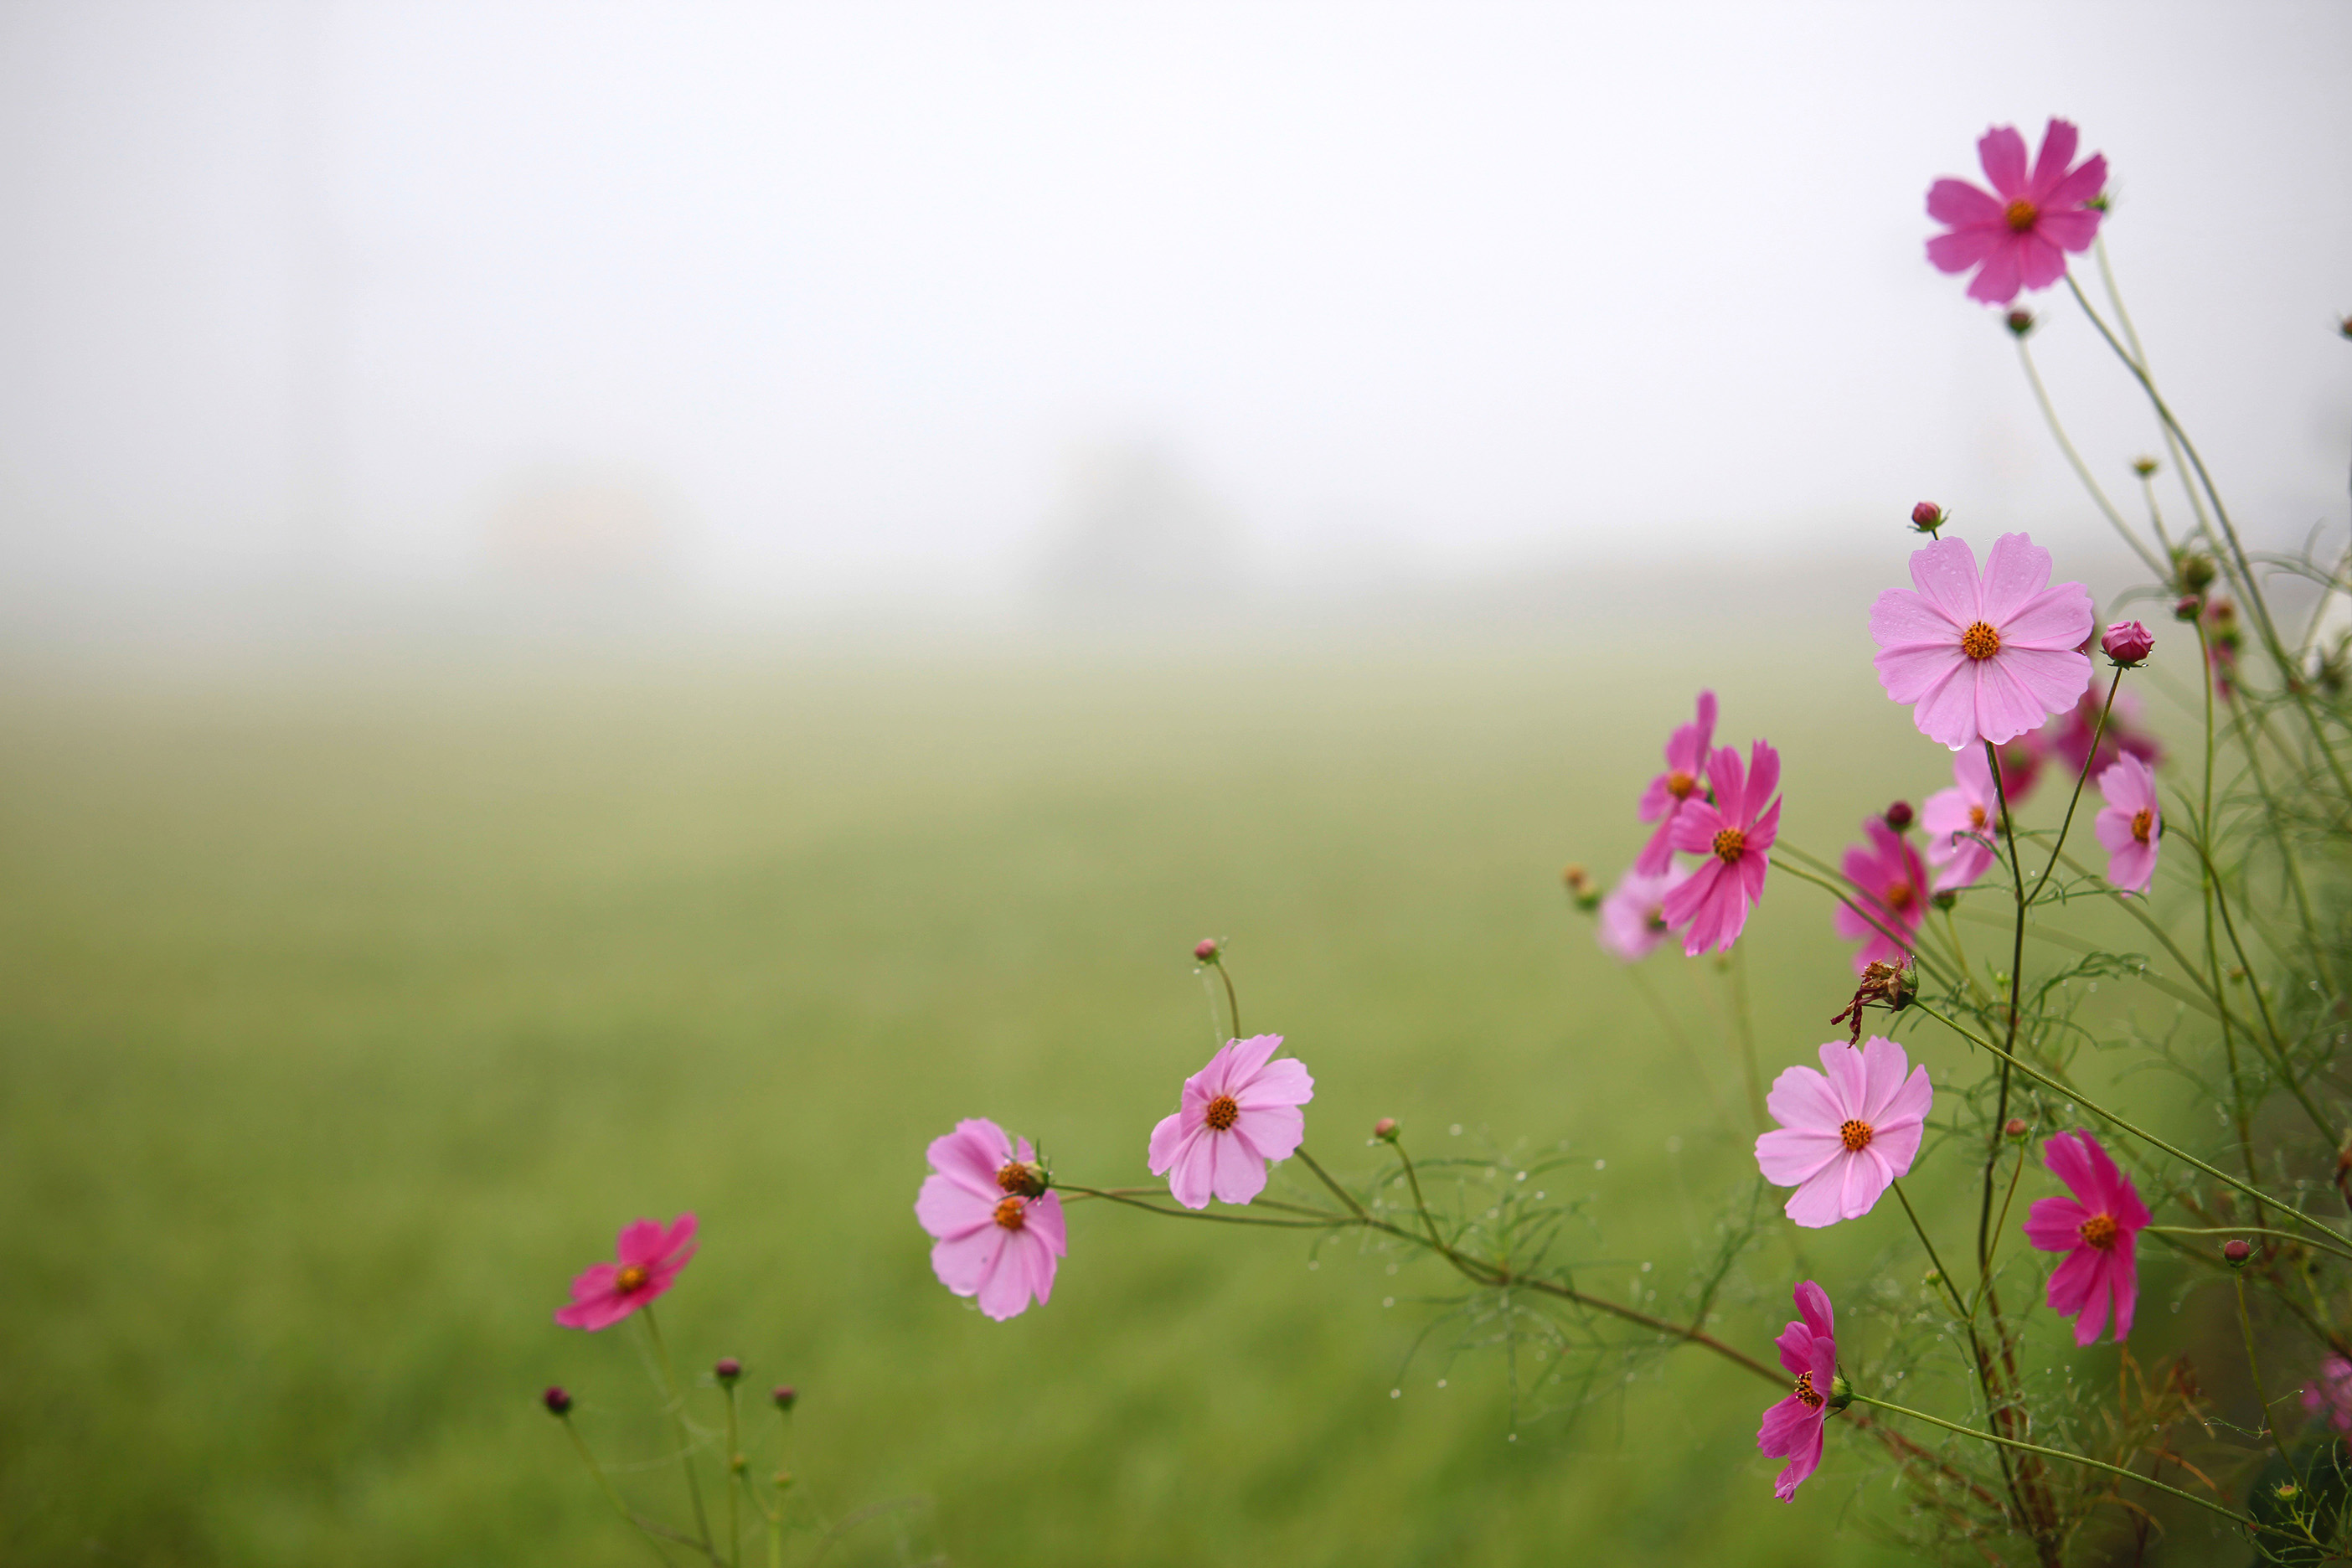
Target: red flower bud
{"points": [[2237, 1252], [728, 1370], [2128, 644], [2187, 607], [1207, 949], [1899, 815], [1385, 1128], [1927, 516], [786, 1397], [2019, 323], [2014, 1127], [558, 1401]]}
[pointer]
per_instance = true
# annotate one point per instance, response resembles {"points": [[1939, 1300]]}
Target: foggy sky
{"points": [[841, 297]]}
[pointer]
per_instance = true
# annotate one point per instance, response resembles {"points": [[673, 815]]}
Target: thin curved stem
{"points": [[2082, 470]]}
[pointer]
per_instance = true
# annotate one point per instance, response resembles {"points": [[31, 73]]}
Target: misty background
{"points": [[865, 315]]}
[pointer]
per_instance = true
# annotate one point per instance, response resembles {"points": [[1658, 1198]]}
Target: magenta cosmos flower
{"points": [[1239, 1114], [649, 1260], [1892, 886], [2068, 734], [2132, 825], [1959, 822], [1734, 832], [1663, 801], [1846, 1131], [2018, 234], [1792, 1428], [2094, 1229], [1633, 915], [2332, 1393], [1983, 658], [997, 1229]]}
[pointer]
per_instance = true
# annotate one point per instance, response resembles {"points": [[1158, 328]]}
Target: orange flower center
{"points": [[1679, 785], [1223, 1111], [633, 1278], [1979, 641], [1854, 1135], [1807, 1395], [1730, 845], [2020, 214], [1976, 816], [2142, 820], [1899, 896], [1008, 1214], [2098, 1231]]}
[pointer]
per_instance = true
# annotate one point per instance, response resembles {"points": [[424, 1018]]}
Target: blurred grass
{"points": [[343, 1019]]}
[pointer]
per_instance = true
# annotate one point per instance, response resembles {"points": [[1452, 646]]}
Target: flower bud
{"points": [[2128, 644], [1024, 1178], [1899, 815], [1579, 883], [2015, 1127], [1945, 898], [2187, 607], [2019, 323], [557, 1401], [1841, 1391], [2194, 571], [728, 1370], [1385, 1130], [1206, 949], [786, 1397], [2235, 1252], [2143, 467], [1927, 516]]}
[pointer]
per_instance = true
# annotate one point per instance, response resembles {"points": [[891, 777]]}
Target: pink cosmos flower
{"points": [[997, 1228], [2132, 825], [1892, 886], [1792, 1428], [1685, 756], [1239, 1114], [2333, 1392], [1633, 915], [2094, 1229], [1984, 659], [2068, 734], [649, 1260], [1846, 1131], [1960, 821], [1735, 833], [2018, 234]]}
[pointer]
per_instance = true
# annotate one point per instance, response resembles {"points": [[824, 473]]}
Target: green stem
{"points": [[2016, 980], [678, 1419], [2086, 1459], [2037, 1076], [1950, 1290], [2082, 470], [612, 1493], [2255, 1371], [2075, 799], [734, 1469]]}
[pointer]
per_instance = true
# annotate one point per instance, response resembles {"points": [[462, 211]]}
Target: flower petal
{"points": [[2059, 139], [2055, 1224], [2003, 151], [1996, 282], [1960, 204], [1790, 1156], [1237, 1175], [971, 1154]]}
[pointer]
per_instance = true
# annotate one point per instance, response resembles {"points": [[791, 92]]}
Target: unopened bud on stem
{"points": [[728, 1370], [1927, 516], [1385, 1130], [2235, 1252], [2015, 1128], [2019, 323], [2128, 644], [785, 1396], [557, 1401], [1206, 949], [1899, 815]]}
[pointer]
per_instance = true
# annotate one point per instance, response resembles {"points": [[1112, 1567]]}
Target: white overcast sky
{"points": [[306, 288]]}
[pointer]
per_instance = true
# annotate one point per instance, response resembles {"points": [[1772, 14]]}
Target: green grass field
{"points": [[343, 1019]]}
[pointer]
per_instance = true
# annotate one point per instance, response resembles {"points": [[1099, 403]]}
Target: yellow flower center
{"points": [[1899, 897], [1730, 845], [2142, 820], [1979, 641], [1976, 816], [1009, 1215], [2020, 214], [1854, 1135], [1807, 1395], [1223, 1111], [633, 1278], [2098, 1231], [1679, 785]]}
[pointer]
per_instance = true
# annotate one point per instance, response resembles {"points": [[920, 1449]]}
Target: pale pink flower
{"points": [[2333, 1392], [2132, 825], [1663, 801], [1846, 1132], [996, 1227], [1960, 821], [1735, 833], [1983, 658], [2094, 1229], [1239, 1114], [1791, 1430], [2018, 234], [1891, 885], [649, 1260], [1633, 915]]}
